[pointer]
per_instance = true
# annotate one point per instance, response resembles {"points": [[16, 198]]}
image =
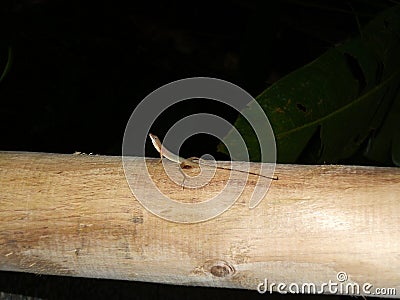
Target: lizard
{"points": [[192, 162]]}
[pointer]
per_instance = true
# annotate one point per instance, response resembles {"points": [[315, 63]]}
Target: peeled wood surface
{"points": [[75, 215]]}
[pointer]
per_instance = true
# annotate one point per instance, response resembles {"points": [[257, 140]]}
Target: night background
{"points": [[72, 74]]}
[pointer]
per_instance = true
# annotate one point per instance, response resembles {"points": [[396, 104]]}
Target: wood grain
{"points": [[75, 215]]}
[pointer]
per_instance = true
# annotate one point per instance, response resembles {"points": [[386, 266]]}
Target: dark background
{"points": [[79, 69]]}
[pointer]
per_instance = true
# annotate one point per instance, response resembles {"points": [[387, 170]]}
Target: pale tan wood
{"points": [[75, 215]]}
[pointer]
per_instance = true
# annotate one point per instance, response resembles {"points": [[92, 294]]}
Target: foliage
{"points": [[342, 104]]}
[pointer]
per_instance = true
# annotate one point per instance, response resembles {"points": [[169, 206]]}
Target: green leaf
{"points": [[329, 108], [384, 145]]}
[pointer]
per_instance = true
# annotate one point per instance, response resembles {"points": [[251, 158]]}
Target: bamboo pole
{"points": [[75, 215]]}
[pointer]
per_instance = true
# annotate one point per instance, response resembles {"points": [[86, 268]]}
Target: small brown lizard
{"points": [[192, 162]]}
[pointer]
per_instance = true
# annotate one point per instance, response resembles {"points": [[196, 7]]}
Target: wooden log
{"points": [[75, 215]]}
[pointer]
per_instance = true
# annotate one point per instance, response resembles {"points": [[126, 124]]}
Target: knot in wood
{"points": [[222, 269]]}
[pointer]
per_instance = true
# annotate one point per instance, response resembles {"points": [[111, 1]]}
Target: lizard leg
{"points": [[184, 177], [184, 165], [160, 160]]}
